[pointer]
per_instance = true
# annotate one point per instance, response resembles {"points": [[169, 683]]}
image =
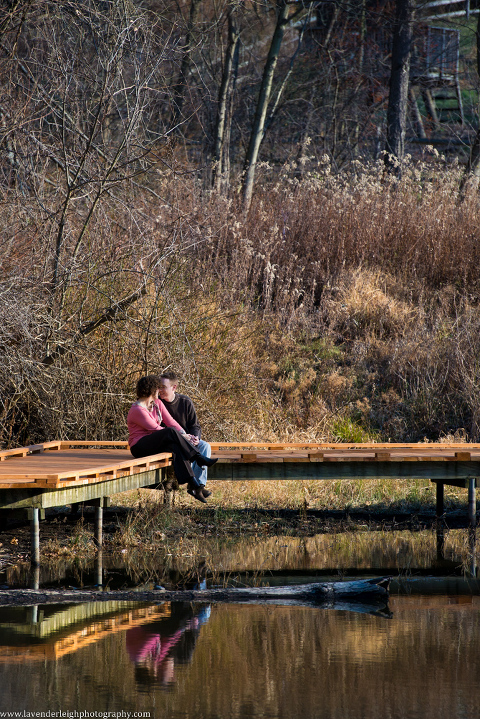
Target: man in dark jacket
{"points": [[183, 411]]}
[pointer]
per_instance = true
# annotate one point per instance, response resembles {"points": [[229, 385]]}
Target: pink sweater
{"points": [[142, 422], [141, 644]]}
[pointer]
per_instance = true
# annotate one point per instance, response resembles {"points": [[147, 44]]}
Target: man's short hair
{"points": [[146, 386], [171, 375]]}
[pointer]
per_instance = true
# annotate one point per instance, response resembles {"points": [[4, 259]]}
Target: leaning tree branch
{"points": [[110, 314]]}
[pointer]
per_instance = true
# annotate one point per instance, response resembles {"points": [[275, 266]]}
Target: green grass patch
{"points": [[345, 429]]}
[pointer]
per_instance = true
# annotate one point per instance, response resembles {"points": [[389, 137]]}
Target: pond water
{"points": [[414, 659], [259, 559], [199, 661]]}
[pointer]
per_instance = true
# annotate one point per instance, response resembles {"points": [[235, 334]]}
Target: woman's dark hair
{"points": [[147, 386]]}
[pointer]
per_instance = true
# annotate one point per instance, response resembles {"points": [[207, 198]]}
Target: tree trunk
{"points": [[417, 116], [227, 146], [284, 82], [368, 591], [472, 168], [179, 91], [220, 130], [361, 63], [399, 83], [7, 140], [257, 132]]}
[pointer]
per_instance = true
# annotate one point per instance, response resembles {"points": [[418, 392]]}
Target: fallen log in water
{"points": [[368, 591]]}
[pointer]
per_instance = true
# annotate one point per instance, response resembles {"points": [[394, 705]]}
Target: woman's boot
{"points": [[195, 491]]}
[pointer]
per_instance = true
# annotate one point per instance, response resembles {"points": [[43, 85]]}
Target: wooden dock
{"points": [[54, 474], [448, 463], [60, 473], [55, 465], [452, 464]]}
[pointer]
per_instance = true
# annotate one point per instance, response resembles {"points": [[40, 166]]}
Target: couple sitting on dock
{"points": [[152, 428]]}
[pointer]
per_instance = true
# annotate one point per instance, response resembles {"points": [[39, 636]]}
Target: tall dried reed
{"points": [[302, 234]]}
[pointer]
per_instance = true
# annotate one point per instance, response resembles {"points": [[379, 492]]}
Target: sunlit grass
{"points": [[79, 543], [242, 530], [257, 508], [373, 495]]}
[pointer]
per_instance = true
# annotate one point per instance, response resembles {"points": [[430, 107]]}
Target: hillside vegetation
{"points": [[342, 306]]}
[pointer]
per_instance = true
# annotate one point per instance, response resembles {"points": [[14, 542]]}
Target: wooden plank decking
{"points": [[56, 465], [342, 452], [65, 464], [451, 463]]}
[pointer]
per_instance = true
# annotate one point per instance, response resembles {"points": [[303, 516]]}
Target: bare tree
{"points": [[82, 255], [225, 90], [399, 82], [256, 134], [182, 82]]}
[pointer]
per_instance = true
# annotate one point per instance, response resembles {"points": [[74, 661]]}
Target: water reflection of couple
{"points": [[156, 648]]}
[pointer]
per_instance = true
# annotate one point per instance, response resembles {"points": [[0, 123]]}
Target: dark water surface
{"points": [[415, 659], [182, 660]]}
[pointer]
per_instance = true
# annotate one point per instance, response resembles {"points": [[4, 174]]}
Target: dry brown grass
{"points": [[243, 528], [375, 496], [300, 236], [362, 296]]}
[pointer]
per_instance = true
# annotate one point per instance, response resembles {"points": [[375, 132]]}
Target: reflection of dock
{"points": [[71, 628]]}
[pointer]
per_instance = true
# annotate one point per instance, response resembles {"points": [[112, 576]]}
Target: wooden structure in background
{"points": [[435, 75], [59, 473]]}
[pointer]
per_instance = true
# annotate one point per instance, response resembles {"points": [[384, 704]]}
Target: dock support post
{"points": [[440, 543], [440, 495], [99, 569], [35, 535], [472, 502], [169, 482], [472, 544], [98, 534], [439, 514], [35, 583]]}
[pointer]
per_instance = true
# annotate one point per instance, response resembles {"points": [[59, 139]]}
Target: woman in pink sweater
{"points": [[147, 436]]}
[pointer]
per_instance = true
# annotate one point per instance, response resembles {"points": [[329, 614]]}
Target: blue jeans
{"points": [[201, 472]]}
